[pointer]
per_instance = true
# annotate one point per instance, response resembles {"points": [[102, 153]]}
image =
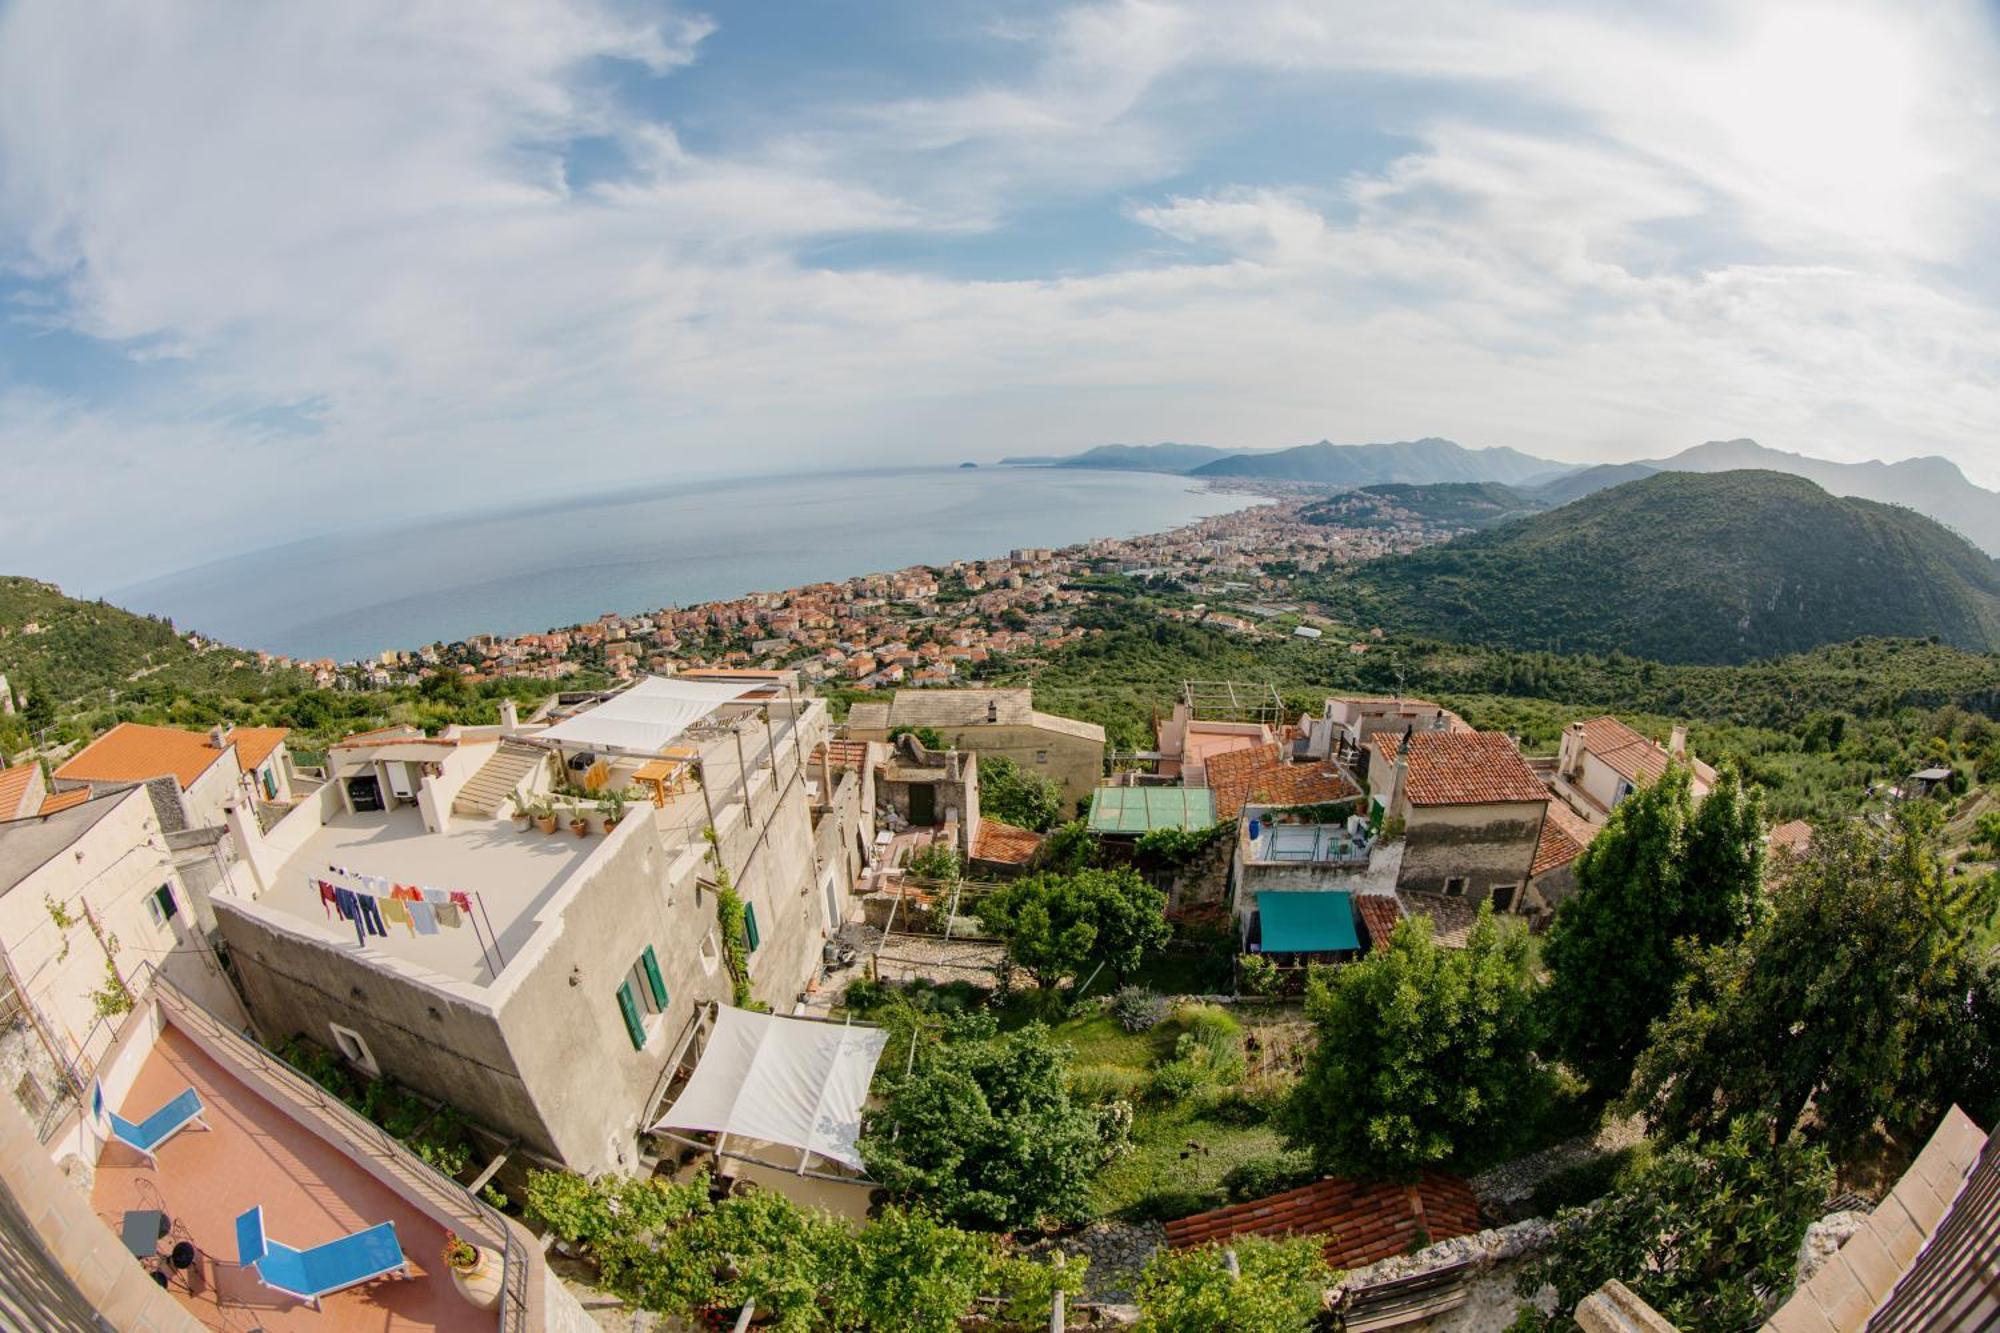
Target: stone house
{"points": [[209, 770], [994, 722], [1471, 811]]}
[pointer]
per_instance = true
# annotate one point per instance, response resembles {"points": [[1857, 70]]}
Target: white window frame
{"points": [[354, 1048], [710, 952]]}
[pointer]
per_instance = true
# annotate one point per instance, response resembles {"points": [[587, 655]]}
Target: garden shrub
{"points": [[1097, 1084], [1138, 1009], [1264, 1176]]}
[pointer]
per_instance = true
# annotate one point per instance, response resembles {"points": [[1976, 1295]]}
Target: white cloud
{"points": [[1607, 237]]}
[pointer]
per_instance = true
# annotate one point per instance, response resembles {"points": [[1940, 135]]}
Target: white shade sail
{"points": [[649, 716], [782, 1080]]}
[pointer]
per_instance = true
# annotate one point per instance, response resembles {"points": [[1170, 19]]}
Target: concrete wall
{"points": [[1074, 761], [509, 1055], [107, 874], [219, 784], [840, 846], [1488, 845]]}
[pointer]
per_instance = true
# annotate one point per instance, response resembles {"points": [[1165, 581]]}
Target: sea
{"points": [[354, 593]]}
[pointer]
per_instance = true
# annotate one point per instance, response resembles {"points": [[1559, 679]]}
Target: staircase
{"points": [[486, 792]]}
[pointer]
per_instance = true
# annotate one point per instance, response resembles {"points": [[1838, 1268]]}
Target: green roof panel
{"points": [[1143, 809], [1307, 920]]}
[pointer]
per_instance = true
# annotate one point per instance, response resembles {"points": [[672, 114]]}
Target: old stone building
{"points": [[1471, 811], [994, 722]]}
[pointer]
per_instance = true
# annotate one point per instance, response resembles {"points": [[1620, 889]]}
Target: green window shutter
{"points": [[750, 935], [628, 1004], [653, 980]]}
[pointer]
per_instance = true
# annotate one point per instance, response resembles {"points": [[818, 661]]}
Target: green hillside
{"points": [[1681, 567], [1458, 504]]}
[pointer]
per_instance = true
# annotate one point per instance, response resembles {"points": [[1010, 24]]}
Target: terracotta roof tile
{"points": [[14, 784], [1468, 768], [254, 744], [1379, 914], [1362, 1223], [1555, 849], [1006, 843], [63, 800], [1260, 776], [134, 752], [1635, 757], [1794, 837]]}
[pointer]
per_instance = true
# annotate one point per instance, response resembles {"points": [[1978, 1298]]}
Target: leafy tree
{"points": [[1279, 1287], [939, 860], [1986, 834], [1706, 1234], [1057, 925], [984, 1131], [1661, 874], [1425, 1054], [1860, 996], [1027, 799]]}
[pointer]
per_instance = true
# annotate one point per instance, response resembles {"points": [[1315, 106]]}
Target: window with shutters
{"points": [[160, 905], [642, 998]]}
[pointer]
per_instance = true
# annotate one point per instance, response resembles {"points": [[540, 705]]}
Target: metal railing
{"points": [[471, 1216]]}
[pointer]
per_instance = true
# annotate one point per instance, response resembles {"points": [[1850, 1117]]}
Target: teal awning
{"points": [[1143, 809], [1307, 920]]}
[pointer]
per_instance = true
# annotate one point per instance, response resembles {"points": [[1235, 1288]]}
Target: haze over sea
{"points": [[354, 592]]}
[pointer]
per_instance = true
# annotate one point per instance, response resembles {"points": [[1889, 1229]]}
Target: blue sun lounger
{"points": [[146, 1137], [324, 1269]]}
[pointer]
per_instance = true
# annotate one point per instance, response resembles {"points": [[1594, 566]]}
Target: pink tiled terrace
{"points": [[256, 1152]]}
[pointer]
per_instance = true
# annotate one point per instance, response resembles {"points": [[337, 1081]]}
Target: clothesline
{"points": [[418, 908]]}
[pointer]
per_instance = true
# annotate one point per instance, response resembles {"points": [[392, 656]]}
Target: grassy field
{"points": [[1184, 1142]]}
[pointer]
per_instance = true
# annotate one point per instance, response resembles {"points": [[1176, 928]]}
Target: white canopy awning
{"points": [[782, 1080], [650, 716]]}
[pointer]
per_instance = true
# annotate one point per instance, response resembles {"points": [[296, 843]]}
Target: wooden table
{"points": [[667, 775]]}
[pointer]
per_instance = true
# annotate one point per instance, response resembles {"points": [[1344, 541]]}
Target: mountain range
{"points": [[1694, 567], [1930, 485]]}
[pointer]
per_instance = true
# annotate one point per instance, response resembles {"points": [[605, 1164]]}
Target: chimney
{"points": [[218, 736], [1677, 743], [510, 717]]}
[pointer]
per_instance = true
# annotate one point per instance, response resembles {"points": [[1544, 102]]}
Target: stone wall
{"points": [[1489, 846]]}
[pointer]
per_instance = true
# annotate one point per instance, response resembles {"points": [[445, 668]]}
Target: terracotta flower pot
{"points": [[547, 824], [579, 826]]}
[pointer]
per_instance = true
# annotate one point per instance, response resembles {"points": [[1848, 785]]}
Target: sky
{"points": [[271, 270]]}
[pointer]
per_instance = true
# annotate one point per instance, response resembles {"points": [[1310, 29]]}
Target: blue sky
{"points": [[273, 271]]}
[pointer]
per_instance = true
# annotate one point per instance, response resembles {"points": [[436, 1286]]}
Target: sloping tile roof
{"points": [[254, 744], [1260, 776], [1630, 755], [57, 801], [843, 754], [869, 715], [14, 784], [1379, 914], [1362, 1223], [1794, 837], [1006, 843], [1555, 849], [961, 708], [134, 752], [1451, 918], [1468, 768]]}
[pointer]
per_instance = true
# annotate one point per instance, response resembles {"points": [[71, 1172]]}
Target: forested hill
{"points": [[1681, 567], [60, 653], [1461, 504]]}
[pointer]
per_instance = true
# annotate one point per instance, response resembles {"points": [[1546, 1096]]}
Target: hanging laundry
{"points": [[437, 897], [349, 906], [461, 901], [371, 914], [424, 916], [397, 913], [448, 917], [326, 899]]}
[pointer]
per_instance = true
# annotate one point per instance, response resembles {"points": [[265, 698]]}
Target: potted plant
{"points": [[474, 1271], [614, 808], [545, 817], [523, 815], [579, 823]]}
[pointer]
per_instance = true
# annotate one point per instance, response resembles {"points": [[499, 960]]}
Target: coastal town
{"points": [[693, 885], [928, 625]]}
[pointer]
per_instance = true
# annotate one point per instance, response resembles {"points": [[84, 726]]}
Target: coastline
{"points": [[352, 597]]}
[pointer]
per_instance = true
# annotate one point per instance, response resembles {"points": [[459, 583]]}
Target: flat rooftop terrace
{"points": [[514, 875], [256, 1152]]}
